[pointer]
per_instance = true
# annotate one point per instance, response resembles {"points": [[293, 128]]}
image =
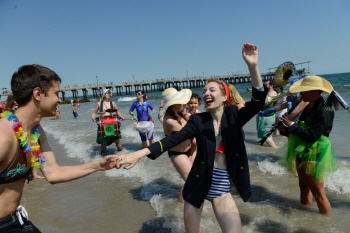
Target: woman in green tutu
{"points": [[310, 152]]}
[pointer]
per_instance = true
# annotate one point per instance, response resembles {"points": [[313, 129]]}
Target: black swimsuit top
{"points": [[20, 168]]}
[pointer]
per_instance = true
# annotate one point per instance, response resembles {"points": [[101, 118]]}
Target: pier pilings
{"points": [[129, 88]]}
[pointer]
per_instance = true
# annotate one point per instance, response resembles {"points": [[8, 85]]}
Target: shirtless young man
{"points": [[35, 89]]}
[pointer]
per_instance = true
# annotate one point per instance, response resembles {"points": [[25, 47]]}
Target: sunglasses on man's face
{"points": [[139, 93]]}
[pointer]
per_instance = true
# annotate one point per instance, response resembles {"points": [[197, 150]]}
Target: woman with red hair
{"points": [[221, 154]]}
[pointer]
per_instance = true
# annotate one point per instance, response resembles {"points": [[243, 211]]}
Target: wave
{"points": [[339, 181], [126, 99]]}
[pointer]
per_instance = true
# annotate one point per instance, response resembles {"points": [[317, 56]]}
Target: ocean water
{"points": [[274, 205]]}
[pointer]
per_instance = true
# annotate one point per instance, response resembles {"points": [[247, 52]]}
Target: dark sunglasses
{"points": [[139, 93]]}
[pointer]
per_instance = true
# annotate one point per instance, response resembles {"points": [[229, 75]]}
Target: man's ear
{"points": [[37, 93]]}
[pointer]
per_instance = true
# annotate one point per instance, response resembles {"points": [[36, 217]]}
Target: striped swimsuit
{"points": [[220, 183]]}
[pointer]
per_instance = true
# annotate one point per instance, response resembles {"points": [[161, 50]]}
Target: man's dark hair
{"points": [[28, 77], [271, 82]]}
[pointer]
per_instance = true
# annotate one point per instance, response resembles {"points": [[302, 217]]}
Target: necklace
{"points": [[37, 160], [217, 135]]}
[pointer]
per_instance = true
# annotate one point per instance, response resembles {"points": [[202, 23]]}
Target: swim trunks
{"points": [[17, 221]]}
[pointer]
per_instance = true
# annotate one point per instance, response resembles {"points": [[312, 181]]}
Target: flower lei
{"points": [[37, 160]]}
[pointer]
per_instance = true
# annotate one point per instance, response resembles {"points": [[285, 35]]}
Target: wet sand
{"points": [[95, 203]]}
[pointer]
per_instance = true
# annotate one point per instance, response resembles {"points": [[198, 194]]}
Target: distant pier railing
{"points": [[128, 88]]}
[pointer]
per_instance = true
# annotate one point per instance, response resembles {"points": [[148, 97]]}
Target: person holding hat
{"points": [[112, 108], [310, 152], [221, 154]]}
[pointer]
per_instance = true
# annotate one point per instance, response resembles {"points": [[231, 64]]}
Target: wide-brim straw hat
{"points": [[310, 83], [171, 96]]}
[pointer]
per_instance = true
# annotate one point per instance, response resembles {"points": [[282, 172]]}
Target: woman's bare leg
{"points": [[183, 165], [305, 190], [269, 141], [192, 217], [227, 214]]}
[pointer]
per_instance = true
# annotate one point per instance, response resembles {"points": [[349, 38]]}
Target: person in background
{"points": [[310, 152], [23, 143], [11, 103], [235, 97], [193, 104], [75, 113], [58, 112], [192, 108], [280, 101], [142, 105], [264, 122], [101, 107], [161, 113], [221, 154]]}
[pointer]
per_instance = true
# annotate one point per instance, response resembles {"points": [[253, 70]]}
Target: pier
{"points": [[128, 88]]}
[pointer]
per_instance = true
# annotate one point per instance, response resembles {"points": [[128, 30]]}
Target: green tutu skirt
{"points": [[319, 156]]}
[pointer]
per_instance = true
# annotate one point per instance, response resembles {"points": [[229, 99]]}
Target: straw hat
{"points": [[171, 96], [310, 83]]}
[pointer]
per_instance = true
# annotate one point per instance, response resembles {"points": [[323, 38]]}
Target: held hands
{"points": [[108, 162], [130, 160], [250, 54]]}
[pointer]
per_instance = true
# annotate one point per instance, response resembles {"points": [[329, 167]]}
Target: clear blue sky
{"points": [[149, 39]]}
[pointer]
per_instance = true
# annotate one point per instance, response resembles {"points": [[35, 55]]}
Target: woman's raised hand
{"points": [[250, 54]]}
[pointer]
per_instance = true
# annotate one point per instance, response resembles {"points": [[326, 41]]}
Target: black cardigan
{"points": [[201, 126], [319, 121]]}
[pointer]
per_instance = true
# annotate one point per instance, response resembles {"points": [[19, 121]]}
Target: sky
{"points": [[119, 41]]}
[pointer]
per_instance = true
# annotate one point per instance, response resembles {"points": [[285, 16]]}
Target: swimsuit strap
{"points": [[101, 106]]}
